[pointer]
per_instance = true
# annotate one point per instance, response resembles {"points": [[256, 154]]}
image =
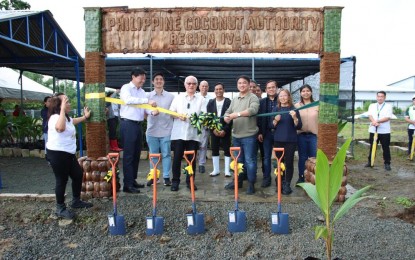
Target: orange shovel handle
{"points": [[186, 153], [235, 168], [158, 157], [279, 159], [110, 157], [192, 189]]}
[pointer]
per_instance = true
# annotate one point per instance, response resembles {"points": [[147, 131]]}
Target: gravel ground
{"points": [[371, 230], [29, 230]]}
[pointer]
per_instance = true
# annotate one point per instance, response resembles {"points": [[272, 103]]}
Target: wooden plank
{"points": [[217, 30]]}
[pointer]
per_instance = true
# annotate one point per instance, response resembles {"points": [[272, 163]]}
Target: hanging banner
{"points": [[217, 30]]}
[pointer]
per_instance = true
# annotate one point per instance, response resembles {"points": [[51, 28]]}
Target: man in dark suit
{"points": [[266, 129], [222, 137]]}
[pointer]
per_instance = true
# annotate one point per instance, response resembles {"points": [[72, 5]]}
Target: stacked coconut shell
{"points": [[310, 177], [93, 183]]}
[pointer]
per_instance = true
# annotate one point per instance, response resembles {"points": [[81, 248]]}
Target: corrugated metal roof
{"points": [[32, 39]]}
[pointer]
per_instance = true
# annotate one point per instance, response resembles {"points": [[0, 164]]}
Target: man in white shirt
{"points": [[380, 114], [204, 138], [132, 134], [184, 136]]}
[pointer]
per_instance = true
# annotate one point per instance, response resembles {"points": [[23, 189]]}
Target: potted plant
{"points": [[328, 181]]}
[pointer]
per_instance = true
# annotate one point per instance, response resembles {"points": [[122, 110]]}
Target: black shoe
{"points": [[300, 180], [231, 185], [174, 186], [79, 204], [131, 189], [388, 167], [286, 189], [63, 212], [188, 186], [368, 165], [266, 183], [150, 182], [251, 188], [138, 186], [202, 169], [167, 182]]}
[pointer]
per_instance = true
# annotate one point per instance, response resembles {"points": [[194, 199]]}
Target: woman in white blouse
{"points": [[61, 149]]}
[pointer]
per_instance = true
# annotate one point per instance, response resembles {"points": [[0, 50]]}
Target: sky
{"points": [[379, 33]]}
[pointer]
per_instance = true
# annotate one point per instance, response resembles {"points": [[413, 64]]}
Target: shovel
{"points": [[279, 221], [374, 146], [236, 218], [195, 221], [116, 222], [411, 155], [155, 225]]}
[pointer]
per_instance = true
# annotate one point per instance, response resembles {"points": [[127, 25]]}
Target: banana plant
{"points": [[328, 182]]}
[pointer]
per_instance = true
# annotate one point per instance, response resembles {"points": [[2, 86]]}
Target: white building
{"points": [[399, 93]]}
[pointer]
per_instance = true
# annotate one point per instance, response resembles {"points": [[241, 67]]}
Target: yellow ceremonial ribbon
{"points": [[143, 106], [94, 95], [189, 169], [150, 175], [239, 165]]}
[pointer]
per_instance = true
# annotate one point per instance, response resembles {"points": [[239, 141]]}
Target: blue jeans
{"points": [[249, 154], [307, 147], [268, 144], [157, 145]]}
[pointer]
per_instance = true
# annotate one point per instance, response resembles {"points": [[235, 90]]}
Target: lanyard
{"points": [[380, 108]]}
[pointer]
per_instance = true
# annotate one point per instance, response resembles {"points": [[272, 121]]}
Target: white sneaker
{"points": [[213, 174], [228, 174]]}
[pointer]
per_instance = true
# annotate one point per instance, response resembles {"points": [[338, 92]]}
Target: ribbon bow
{"points": [[108, 176], [188, 170], [282, 169], [150, 175], [208, 120], [239, 166]]}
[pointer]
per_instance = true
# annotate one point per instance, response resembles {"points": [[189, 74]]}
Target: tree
{"points": [[14, 5]]}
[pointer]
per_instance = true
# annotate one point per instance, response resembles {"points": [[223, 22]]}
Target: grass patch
{"points": [[399, 133], [406, 202]]}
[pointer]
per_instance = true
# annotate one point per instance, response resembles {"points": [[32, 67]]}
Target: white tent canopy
{"points": [[10, 87]]}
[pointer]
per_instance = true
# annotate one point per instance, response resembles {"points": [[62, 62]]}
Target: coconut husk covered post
{"points": [[94, 185], [96, 133], [329, 82], [329, 95]]}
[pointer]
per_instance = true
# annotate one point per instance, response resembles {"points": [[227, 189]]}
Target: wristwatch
{"points": [[239, 114]]}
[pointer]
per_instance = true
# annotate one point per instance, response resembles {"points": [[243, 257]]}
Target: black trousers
{"points": [[132, 137], [384, 140], [289, 151], [217, 142], [65, 165], [410, 138], [179, 146], [112, 124]]}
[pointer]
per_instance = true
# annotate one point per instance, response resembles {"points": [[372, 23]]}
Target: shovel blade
{"points": [[280, 223], [236, 221], [116, 225], [195, 223], [155, 226]]}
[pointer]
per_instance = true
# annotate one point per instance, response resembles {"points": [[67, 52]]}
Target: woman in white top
{"points": [[61, 148]]}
